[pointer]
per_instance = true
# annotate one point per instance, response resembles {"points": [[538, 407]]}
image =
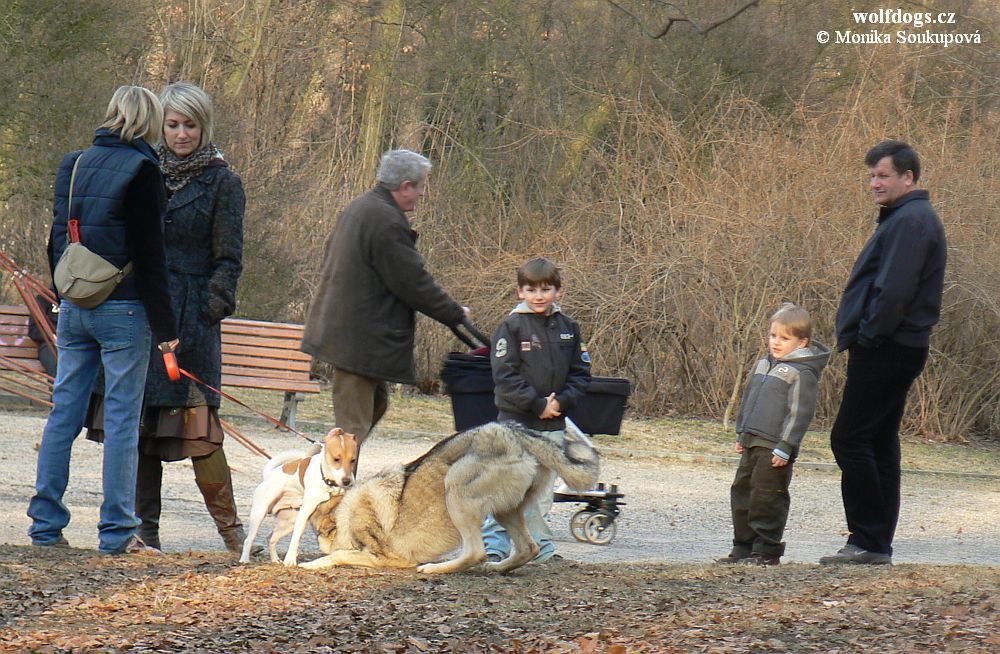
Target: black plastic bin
{"points": [[602, 408], [468, 379]]}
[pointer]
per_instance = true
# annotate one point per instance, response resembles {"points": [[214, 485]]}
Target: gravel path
{"points": [[675, 511]]}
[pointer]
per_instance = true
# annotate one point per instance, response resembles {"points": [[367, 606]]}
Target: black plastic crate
{"points": [[603, 407], [468, 379]]}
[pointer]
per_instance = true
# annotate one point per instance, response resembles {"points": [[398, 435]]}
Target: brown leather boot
{"points": [[222, 507]]}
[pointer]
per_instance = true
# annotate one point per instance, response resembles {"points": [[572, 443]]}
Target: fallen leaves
{"points": [[73, 600]]}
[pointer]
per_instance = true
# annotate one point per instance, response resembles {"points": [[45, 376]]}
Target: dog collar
{"points": [[329, 482]]}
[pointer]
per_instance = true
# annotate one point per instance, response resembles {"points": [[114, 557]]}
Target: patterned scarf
{"points": [[178, 172]]}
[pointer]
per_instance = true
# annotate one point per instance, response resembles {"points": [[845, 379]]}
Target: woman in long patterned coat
{"points": [[203, 233]]}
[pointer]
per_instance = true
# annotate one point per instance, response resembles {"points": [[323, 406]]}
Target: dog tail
{"points": [[577, 462]]}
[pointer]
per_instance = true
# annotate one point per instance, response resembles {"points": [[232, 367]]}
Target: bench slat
{"points": [[27, 351], [277, 331], [247, 322], [13, 309], [271, 384], [263, 341], [17, 342], [32, 363], [271, 364], [265, 353], [243, 371]]}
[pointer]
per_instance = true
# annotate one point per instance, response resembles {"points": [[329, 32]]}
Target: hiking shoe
{"points": [[758, 558], [59, 542], [731, 558], [136, 546], [853, 555]]}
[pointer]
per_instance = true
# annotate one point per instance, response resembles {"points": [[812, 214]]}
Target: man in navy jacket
{"points": [[890, 304]]}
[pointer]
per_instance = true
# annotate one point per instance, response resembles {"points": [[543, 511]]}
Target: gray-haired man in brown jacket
{"points": [[373, 281]]}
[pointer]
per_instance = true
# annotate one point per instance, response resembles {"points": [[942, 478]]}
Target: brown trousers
{"points": [[358, 403]]}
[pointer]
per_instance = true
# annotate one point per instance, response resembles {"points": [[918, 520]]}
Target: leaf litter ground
{"points": [[70, 600]]}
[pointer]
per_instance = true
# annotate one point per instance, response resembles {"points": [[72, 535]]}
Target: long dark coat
{"points": [[372, 281], [203, 234]]}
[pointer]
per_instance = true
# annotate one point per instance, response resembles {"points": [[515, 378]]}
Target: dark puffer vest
{"points": [[102, 179]]}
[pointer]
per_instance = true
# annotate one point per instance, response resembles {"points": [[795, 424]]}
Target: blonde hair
{"points": [[192, 101], [135, 113], [795, 319]]}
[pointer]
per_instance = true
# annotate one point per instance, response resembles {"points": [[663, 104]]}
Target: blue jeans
{"points": [[114, 336], [495, 536]]}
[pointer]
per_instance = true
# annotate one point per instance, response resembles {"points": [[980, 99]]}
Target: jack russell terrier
{"points": [[294, 484]]}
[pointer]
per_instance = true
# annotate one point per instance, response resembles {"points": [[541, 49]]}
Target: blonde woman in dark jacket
{"points": [[203, 233], [117, 194]]}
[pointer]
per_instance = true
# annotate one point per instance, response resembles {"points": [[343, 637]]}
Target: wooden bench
{"points": [[266, 355], [255, 354], [21, 373]]}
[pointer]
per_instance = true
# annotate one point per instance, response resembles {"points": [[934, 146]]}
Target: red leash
{"points": [[170, 360]]}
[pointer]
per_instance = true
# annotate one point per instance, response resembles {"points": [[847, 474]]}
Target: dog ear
{"points": [[336, 431]]}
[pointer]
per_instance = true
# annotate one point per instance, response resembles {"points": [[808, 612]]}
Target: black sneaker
{"points": [[758, 558], [851, 554]]}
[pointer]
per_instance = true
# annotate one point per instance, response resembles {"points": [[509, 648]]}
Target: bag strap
{"points": [[73, 223]]}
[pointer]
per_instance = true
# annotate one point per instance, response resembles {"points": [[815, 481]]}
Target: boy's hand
{"points": [[551, 408], [777, 461], [739, 448]]}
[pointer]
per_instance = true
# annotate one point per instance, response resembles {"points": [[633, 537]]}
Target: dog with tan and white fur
{"points": [[294, 484]]}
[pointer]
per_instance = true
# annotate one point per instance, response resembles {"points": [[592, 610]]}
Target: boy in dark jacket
{"points": [[540, 370], [778, 403]]}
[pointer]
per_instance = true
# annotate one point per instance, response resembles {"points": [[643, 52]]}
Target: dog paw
{"points": [[290, 562], [435, 568]]}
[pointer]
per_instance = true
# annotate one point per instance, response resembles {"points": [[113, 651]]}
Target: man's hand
{"points": [[739, 448], [777, 461]]}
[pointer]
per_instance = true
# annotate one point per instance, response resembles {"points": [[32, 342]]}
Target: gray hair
{"points": [[135, 113], [400, 166], [192, 101]]}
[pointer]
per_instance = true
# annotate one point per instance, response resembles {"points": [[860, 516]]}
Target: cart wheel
{"points": [[577, 524], [600, 528]]}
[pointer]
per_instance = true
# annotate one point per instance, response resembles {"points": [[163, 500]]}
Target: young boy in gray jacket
{"points": [[778, 404]]}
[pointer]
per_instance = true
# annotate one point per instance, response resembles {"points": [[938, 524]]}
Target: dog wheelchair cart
{"points": [[468, 380]]}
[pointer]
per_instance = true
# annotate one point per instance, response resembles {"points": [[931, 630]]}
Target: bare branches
{"points": [[683, 18]]}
